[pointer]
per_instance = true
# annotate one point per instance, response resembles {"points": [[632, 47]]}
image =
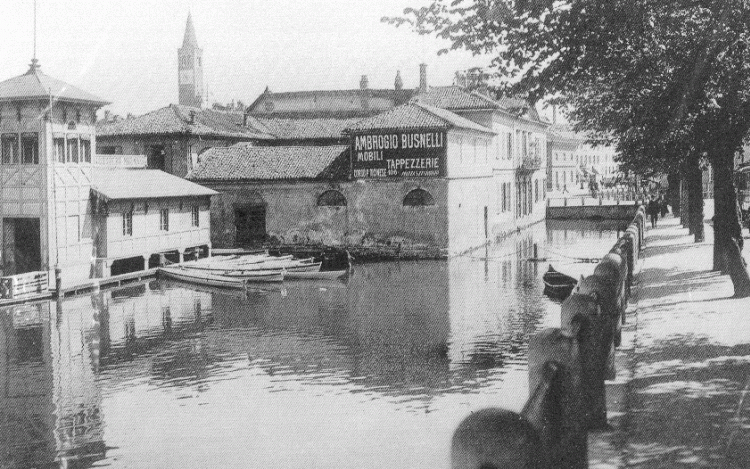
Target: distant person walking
{"points": [[565, 189], [663, 206], [653, 210]]}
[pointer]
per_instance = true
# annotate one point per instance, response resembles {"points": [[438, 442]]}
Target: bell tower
{"points": [[190, 68]]}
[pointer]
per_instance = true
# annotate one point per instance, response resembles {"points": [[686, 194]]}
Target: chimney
{"points": [[363, 82], [399, 83], [422, 78]]}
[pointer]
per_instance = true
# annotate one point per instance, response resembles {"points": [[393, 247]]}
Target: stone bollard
{"points": [[582, 316], [560, 421], [496, 438], [613, 269], [549, 433]]}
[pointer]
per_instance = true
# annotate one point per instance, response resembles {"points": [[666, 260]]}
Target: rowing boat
{"points": [[557, 284], [202, 278], [316, 275]]}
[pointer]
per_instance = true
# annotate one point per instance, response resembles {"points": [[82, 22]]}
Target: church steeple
{"points": [[190, 67], [189, 40]]}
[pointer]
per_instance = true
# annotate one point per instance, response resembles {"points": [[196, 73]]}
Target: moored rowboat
{"points": [[201, 278], [316, 275], [557, 284]]}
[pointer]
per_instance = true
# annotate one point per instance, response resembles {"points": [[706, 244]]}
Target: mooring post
{"points": [[558, 414], [58, 281]]}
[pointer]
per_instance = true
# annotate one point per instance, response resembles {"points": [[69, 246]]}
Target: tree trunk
{"points": [[684, 211], [694, 178], [728, 241], [673, 193]]}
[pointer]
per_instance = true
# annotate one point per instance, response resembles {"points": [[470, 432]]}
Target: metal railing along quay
{"points": [[568, 367]]}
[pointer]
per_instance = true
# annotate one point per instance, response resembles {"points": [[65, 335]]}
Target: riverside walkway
{"points": [[680, 398]]}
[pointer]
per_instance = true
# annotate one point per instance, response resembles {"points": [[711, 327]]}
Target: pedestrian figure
{"points": [[653, 210], [663, 206], [565, 189]]}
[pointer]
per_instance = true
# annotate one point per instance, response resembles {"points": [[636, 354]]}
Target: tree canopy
{"points": [[663, 79]]}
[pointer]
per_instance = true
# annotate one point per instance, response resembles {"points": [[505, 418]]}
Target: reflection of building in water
{"points": [[502, 276], [50, 354], [50, 406], [387, 328]]}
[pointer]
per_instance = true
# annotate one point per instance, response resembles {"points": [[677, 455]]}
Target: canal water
{"points": [[373, 373]]}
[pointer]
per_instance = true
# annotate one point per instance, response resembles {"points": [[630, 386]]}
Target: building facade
{"points": [[56, 193]]}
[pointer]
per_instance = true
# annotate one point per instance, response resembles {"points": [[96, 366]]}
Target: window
{"points": [[505, 198], [536, 190], [196, 216], [418, 197], [72, 150], [30, 148], [10, 148], [110, 150], [164, 219], [331, 199], [59, 145], [85, 151], [510, 145], [127, 223]]}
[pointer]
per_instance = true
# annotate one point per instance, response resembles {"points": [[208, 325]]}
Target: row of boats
{"points": [[236, 271]]}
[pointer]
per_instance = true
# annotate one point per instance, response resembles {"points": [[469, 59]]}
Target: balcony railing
{"points": [[120, 161]]}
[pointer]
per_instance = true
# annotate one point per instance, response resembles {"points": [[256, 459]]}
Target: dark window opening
{"points": [[418, 197], [10, 149], [156, 157], [250, 225], [332, 199], [30, 148], [126, 266]]}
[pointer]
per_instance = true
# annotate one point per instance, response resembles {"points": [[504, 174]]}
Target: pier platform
{"points": [[680, 398]]}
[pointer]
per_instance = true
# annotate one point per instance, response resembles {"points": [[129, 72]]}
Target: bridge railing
{"points": [[568, 367]]}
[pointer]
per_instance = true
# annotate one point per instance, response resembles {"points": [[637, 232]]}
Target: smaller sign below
{"points": [[400, 154]]}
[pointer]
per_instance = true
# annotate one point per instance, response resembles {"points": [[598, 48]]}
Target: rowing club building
{"points": [[89, 215]]}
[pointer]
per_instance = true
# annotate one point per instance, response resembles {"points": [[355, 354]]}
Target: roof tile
{"points": [[176, 119], [415, 116], [243, 161], [36, 85]]}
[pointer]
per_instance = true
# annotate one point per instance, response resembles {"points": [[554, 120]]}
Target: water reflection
{"points": [[379, 369]]}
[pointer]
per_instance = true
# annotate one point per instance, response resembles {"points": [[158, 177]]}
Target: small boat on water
{"points": [[268, 263], [557, 284], [316, 275], [218, 280]]}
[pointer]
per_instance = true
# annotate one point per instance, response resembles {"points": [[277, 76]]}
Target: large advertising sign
{"points": [[399, 154]]}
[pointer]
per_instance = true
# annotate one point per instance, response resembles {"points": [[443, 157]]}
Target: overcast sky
{"points": [[126, 51]]}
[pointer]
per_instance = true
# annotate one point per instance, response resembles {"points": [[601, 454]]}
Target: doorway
{"points": [[250, 225], [22, 250], [156, 157]]}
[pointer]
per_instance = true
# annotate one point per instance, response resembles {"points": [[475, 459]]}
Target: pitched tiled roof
{"points": [[138, 183], [176, 119], [455, 98], [327, 103], [243, 161], [36, 85], [414, 116], [301, 129]]}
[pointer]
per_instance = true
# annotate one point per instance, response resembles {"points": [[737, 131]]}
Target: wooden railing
{"points": [[24, 285], [120, 161], [568, 367]]}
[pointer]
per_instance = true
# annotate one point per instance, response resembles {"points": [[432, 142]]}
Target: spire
{"points": [[189, 40], [398, 83]]}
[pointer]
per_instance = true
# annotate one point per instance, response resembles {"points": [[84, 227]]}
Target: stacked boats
{"points": [[236, 271]]}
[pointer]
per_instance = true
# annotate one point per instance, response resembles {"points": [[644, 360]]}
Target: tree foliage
{"points": [[667, 81]]}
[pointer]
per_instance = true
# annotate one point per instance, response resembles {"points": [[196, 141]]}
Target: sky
{"points": [[126, 51]]}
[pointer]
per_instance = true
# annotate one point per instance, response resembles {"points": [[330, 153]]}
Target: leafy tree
{"points": [[667, 80]]}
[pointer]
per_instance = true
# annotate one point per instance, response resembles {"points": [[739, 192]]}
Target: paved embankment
{"points": [[680, 398]]}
